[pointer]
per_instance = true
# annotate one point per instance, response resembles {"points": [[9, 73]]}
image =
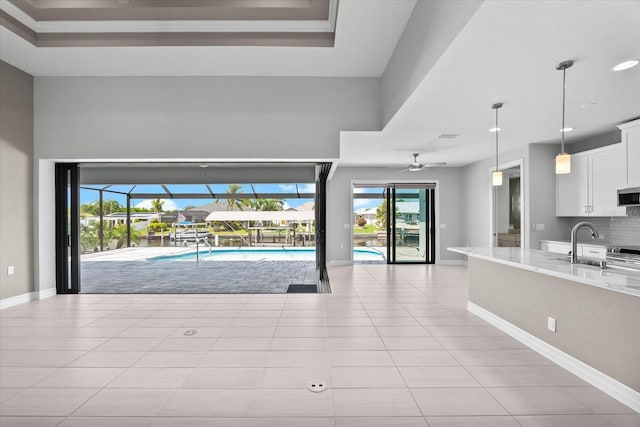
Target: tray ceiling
{"points": [[83, 23]]}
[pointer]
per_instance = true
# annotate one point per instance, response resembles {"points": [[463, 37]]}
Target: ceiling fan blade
{"points": [[403, 171], [429, 165]]}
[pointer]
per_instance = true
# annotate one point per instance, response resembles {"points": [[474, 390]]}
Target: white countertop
{"points": [[627, 282]]}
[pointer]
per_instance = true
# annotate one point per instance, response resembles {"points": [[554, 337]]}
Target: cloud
{"points": [[287, 187], [357, 203], [302, 188], [169, 205], [307, 188]]}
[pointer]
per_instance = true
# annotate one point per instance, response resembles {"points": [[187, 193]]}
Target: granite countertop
{"points": [[624, 281]]}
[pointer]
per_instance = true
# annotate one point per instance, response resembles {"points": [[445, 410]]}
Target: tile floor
{"points": [[395, 345]]}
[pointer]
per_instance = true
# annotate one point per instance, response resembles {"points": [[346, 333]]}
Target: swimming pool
{"points": [[266, 254]]}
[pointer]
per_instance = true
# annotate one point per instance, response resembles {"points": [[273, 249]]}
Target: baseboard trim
{"points": [[29, 296], [47, 293], [605, 383], [17, 300]]}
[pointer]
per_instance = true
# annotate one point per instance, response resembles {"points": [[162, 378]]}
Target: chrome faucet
{"points": [[574, 240]]}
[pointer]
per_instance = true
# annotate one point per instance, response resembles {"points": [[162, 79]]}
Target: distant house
{"points": [[139, 220], [406, 212], [195, 215], [368, 214]]}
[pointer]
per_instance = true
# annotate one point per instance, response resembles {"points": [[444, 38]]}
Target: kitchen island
{"points": [[594, 313]]}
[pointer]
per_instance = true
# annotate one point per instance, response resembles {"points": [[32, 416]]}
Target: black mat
{"points": [[302, 289]]}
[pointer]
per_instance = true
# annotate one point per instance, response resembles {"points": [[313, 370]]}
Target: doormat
{"points": [[302, 289]]}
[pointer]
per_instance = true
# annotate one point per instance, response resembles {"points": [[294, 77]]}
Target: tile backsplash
{"points": [[616, 230]]}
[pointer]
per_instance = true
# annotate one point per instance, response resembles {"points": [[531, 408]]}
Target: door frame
{"points": [[524, 217], [429, 206], [384, 183]]}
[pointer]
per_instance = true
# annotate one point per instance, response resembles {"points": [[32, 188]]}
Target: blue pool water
{"points": [[249, 254]]}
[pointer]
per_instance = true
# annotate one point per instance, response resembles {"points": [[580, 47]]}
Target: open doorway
{"points": [[396, 220], [507, 219], [204, 237]]}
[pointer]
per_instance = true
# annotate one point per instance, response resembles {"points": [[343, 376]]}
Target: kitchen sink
{"points": [[595, 263]]}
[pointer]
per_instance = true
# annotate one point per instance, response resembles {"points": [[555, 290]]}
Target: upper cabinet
{"points": [[631, 141], [591, 187]]}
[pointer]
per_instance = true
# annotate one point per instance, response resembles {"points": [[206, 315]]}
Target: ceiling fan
{"points": [[416, 166]]}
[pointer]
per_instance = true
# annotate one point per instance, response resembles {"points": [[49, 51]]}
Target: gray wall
{"points": [[596, 326], [16, 181], [538, 198], [476, 185], [432, 27], [451, 208], [542, 193], [596, 141], [200, 117]]}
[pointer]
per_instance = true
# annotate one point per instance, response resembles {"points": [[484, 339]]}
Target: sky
{"points": [[87, 196]]}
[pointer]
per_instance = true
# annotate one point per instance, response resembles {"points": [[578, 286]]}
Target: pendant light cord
{"points": [[497, 131], [564, 85]]}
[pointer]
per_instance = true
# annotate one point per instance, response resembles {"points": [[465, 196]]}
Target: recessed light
{"points": [[495, 129], [626, 65], [589, 105], [448, 135], [566, 129], [204, 165]]}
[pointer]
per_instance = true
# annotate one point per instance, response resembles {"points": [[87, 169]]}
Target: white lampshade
{"points": [[563, 163], [496, 178]]}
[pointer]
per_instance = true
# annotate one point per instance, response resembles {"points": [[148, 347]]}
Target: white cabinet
{"points": [[585, 250], [606, 176], [591, 187], [631, 142]]}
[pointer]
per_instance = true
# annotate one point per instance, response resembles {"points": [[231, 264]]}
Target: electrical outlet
{"points": [[551, 324], [10, 270]]}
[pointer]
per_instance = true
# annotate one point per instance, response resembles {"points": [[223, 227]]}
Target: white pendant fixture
{"points": [[496, 176], [563, 160]]}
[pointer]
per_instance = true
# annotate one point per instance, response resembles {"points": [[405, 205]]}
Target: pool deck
{"points": [[127, 270]]}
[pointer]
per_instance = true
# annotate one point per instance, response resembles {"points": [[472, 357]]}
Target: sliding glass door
{"points": [[410, 225], [400, 216], [67, 229]]}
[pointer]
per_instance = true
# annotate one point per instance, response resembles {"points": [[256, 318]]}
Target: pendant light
{"points": [[563, 160], [496, 176]]}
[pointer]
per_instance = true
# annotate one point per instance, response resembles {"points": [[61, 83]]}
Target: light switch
{"points": [[10, 270], [551, 324]]}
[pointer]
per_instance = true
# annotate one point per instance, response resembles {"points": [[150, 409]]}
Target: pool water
{"points": [[249, 254]]}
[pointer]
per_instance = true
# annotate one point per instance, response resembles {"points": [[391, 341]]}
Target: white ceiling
{"points": [[366, 34], [507, 53]]}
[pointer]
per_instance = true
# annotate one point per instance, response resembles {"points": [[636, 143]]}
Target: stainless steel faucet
{"points": [[574, 240]]}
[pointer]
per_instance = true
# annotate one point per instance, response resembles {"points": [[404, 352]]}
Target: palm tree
{"points": [[232, 202], [157, 205], [268, 204], [119, 232]]}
